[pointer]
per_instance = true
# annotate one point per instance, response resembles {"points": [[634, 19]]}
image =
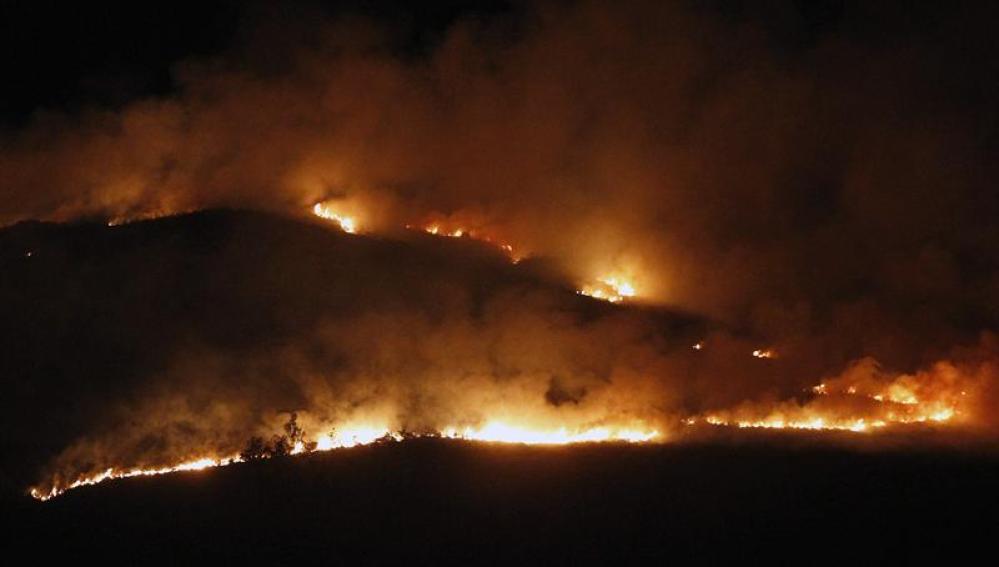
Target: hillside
{"points": [[235, 306], [433, 501]]}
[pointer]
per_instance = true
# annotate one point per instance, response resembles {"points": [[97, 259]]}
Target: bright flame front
{"points": [[326, 211], [358, 435], [114, 473], [859, 401], [612, 289], [459, 232], [501, 432]]}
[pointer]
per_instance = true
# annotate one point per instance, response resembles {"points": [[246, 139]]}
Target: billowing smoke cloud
{"points": [[831, 201], [215, 327]]}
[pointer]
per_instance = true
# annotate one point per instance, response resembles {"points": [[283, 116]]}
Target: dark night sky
{"points": [[65, 56]]}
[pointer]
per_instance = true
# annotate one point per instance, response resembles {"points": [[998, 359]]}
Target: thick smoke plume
{"points": [[830, 198]]}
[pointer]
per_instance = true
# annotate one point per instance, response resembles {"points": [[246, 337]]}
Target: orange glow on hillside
{"points": [[358, 435], [860, 401], [436, 229], [502, 432], [326, 211], [611, 288], [114, 473]]}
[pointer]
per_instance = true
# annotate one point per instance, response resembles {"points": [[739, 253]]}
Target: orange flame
{"points": [[114, 473], [860, 400], [357, 435], [326, 211], [436, 229], [610, 288]]}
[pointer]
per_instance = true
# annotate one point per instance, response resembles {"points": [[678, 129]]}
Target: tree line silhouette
{"points": [[258, 448]]}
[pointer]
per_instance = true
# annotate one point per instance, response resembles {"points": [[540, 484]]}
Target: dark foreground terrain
{"points": [[429, 501]]}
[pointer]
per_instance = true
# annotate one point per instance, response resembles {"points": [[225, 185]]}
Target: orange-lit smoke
{"points": [[865, 398], [671, 161]]}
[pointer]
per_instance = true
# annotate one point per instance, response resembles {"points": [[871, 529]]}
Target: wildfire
{"points": [[144, 216], [501, 432], [860, 400], [354, 436], [808, 423], [612, 289], [459, 232], [325, 211], [113, 473], [436, 231], [805, 420]]}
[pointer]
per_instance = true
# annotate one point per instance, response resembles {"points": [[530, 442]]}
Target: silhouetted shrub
{"points": [[280, 445], [255, 449]]}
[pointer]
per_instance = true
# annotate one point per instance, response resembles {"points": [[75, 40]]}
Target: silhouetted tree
{"points": [[255, 449], [293, 432], [280, 446]]}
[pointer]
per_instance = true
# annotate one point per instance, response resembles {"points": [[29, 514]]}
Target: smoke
{"points": [[258, 317], [831, 199]]}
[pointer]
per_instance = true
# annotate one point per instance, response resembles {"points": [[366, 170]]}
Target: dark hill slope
{"points": [[431, 502], [91, 315]]}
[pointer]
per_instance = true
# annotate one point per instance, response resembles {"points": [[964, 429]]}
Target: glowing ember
{"points": [[459, 232], [610, 289], [764, 353], [347, 224]]}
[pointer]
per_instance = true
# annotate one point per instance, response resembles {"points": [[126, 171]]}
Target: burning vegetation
{"points": [[602, 229]]}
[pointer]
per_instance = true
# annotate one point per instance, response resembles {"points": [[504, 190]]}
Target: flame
{"points": [[145, 216], [861, 400], [325, 210], [436, 229], [805, 420], [114, 473], [612, 289], [353, 436], [858, 403], [810, 423], [358, 435], [501, 432]]}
